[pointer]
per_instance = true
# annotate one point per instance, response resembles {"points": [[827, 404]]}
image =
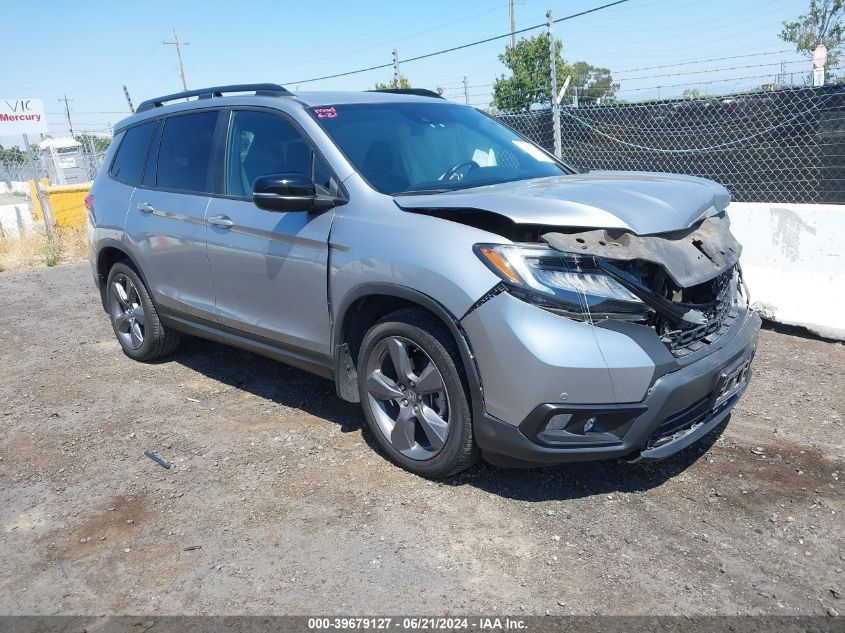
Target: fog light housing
{"points": [[581, 425], [558, 422]]}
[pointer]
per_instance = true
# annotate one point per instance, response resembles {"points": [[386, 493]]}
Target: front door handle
{"points": [[223, 221], [145, 207]]}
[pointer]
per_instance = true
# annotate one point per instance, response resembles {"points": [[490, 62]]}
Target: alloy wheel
{"points": [[127, 311], [408, 397]]}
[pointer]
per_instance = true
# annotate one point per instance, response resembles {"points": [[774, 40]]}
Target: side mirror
{"points": [[291, 191]]}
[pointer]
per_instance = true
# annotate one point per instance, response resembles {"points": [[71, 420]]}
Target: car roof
{"points": [[306, 99]]}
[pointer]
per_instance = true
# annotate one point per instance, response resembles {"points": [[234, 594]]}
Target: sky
{"points": [[87, 50]]}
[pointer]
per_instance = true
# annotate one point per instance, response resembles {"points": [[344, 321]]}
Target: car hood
{"points": [[641, 202]]}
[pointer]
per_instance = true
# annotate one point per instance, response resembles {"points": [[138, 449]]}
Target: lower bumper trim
{"points": [[680, 409]]}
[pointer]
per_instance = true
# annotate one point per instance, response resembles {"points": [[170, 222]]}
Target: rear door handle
{"points": [[145, 207], [223, 221]]}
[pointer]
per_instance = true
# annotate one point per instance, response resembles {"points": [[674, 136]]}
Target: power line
{"points": [[529, 28], [700, 61], [720, 18], [696, 83], [351, 72], [90, 111], [462, 46], [346, 54], [713, 70]]}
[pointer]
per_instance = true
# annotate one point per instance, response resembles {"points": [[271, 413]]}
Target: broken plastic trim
{"points": [[689, 313], [689, 256]]}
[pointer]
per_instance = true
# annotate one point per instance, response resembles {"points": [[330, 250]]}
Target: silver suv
{"points": [[477, 296]]}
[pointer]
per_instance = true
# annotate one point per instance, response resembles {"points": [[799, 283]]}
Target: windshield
{"points": [[406, 148]]}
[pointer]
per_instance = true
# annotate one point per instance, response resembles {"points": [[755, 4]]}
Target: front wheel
{"points": [[134, 318], [414, 396]]}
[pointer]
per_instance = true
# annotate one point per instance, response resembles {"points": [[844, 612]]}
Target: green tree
{"points": [[15, 155], [821, 25], [98, 144], [403, 83], [530, 80], [592, 82]]}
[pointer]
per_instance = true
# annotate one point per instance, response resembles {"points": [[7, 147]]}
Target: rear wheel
{"points": [[414, 396], [134, 318]]}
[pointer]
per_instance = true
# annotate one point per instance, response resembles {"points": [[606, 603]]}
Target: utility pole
{"points": [[178, 46], [67, 112], [466, 91], [553, 87], [128, 99], [512, 12], [396, 74]]}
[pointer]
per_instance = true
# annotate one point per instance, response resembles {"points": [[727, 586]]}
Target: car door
{"points": [[269, 268], [166, 217]]}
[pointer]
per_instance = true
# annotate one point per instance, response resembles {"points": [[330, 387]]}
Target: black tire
{"points": [[158, 340], [426, 333]]}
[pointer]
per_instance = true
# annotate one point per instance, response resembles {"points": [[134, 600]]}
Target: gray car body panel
{"points": [[283, 279], [643, 203], [169, 244], [373, 241], [269, 273], [566, 360]]}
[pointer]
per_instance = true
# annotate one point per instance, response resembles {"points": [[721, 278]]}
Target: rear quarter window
{"points": [[132, 153]]}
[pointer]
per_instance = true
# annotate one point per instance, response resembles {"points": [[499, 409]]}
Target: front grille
{"points": [[685, 341]]}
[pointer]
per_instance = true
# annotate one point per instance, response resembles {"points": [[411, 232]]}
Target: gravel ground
{"points": [[290, 510]]}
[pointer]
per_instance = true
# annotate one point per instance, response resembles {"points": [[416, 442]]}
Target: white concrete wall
{"points": [[16, 186], [15, 218], [793, 259]]}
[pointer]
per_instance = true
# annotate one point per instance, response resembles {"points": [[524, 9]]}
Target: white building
{"points": [[63, 160]]}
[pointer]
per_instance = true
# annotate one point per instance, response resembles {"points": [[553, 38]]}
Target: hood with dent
{"points": [[641, 202]]}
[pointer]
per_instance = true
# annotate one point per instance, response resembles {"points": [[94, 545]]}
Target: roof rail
{"points": [[266, 90], [420, 92]]}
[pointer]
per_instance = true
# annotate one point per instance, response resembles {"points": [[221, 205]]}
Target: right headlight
{"points": [[571, 285]]}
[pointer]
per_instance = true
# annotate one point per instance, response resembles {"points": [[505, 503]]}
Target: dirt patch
{"points": [[107, 527], [296, 512]]}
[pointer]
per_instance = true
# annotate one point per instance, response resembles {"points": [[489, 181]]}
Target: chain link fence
{"points": [[784, 146], [62, 161]]}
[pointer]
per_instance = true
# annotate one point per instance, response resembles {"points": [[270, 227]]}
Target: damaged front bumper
{"points": [[679, 408]]}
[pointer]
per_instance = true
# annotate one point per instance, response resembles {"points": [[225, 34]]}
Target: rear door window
{"points": [[129, 161], [184, 155]]}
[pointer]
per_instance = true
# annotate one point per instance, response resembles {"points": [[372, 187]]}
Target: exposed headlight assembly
{"points": [[571, 285]]}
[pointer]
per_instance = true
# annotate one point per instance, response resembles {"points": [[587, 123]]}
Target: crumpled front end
{"points": [[601, 344], [689, 279]]}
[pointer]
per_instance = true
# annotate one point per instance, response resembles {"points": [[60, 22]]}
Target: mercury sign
{"points": [[22, 116]]}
